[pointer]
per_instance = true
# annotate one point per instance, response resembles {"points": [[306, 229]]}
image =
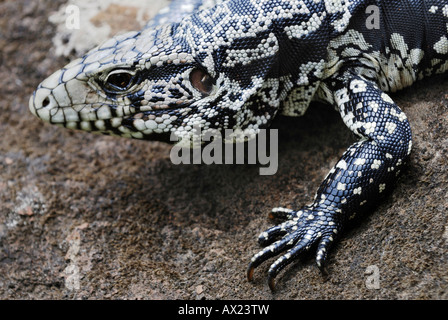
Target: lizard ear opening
{"points": [[202, 81]]}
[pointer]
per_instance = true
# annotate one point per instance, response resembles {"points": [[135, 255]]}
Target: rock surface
{"points": [[93, 217]]}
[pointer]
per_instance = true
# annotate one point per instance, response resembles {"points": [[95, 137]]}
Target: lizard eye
{"points": [[202, 81], [119, 80]]}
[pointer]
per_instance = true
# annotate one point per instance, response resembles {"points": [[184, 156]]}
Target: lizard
{"points": [[236, 64]]}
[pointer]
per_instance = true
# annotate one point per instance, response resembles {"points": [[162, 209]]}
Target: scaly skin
{"points": [[236, 64]]}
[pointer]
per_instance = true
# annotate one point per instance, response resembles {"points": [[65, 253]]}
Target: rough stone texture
{"points": [[92, 217]]}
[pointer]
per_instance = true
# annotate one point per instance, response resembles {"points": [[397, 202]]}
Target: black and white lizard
{"points": [[235, 64]]}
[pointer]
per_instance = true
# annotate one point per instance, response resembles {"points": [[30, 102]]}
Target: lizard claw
{"points": [[250, 273]]}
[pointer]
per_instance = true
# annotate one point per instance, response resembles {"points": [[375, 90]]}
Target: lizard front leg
{"points": [[358, 180]]}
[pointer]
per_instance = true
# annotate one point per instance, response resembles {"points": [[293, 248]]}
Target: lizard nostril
{"points": [[46, 102]]}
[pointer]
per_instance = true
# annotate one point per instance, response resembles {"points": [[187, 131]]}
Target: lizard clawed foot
{"points": [[302, 230]]}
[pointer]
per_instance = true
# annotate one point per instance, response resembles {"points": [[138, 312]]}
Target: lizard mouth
{"points": [[142, 122]]}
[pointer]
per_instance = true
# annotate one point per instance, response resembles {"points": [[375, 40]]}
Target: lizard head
{"points": [[171, 79]]}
